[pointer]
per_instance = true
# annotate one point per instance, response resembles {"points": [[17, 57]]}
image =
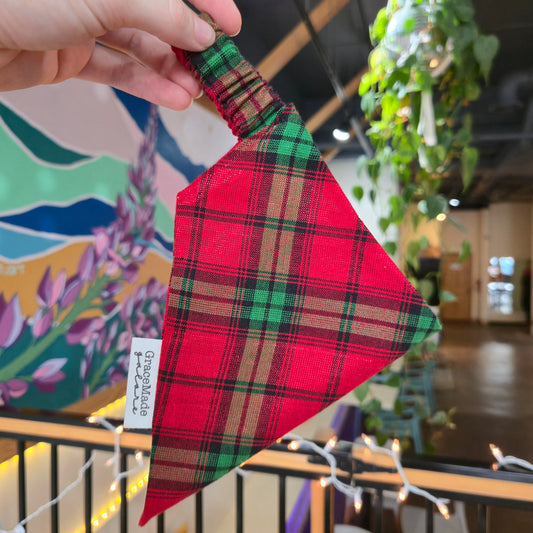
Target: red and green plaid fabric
{"points": [[280, 300]]}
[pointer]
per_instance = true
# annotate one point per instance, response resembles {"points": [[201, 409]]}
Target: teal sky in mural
{"points": [[25, 182]]}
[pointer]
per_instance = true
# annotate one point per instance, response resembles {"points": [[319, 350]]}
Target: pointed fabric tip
{"points": [[280, 301]]}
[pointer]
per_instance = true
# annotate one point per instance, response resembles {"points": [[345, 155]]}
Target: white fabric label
{"points": [[142, 383]]}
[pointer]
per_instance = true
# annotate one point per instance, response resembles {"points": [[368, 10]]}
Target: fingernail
{"points": [[205, 35], [199, 95]]}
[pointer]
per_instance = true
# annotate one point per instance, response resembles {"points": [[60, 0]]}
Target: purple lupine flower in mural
{"points": [[12, 323], [13, 388], [104, 268], [86, 266], [42, 322], [81, 331], [49, 291], [48, 374], [73, 288], [44, 288], [131, 273]]}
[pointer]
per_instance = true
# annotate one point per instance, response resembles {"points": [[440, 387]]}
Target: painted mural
{"points": [[88, 178]]}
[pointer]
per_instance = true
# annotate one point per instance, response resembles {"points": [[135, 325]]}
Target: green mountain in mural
{"points": [[24, 181], [41, 146]]}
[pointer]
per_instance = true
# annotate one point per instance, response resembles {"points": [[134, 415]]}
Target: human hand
{"points": [[48, 41]]}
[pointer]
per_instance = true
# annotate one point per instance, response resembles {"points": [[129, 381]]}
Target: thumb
{"points": [[170, 20]]}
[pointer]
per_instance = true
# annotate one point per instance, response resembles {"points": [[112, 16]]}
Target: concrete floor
{"points": [[490, 382]]}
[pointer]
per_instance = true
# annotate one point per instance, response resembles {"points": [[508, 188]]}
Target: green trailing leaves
{"points": [[372, 406], [485, 50], [394, 380], [465, 251], [390, 247], [358, 192], [433, 205], [468, 165], [399, 407], [368, 102], [391, 98], [447, 296], [384, 224], [362, 391], [372, 423]]}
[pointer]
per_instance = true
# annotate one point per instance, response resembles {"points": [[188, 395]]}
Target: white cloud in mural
{"points": [[82, 116], [203, 136]]}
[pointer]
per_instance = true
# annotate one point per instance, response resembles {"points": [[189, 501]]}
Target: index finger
{"points": [[224, 12]]}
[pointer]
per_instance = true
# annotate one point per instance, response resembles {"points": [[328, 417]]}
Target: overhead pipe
{"points": [[333, 77]]}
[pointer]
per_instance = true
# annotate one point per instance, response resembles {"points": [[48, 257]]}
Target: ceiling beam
{"points": [[334, 104], [298, 37]]}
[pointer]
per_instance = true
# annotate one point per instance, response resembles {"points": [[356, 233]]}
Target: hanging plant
{"points": [[428, 64]]}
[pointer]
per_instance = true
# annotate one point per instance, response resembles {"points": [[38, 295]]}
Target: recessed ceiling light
{"points": [[454, 202], [341, 135]]}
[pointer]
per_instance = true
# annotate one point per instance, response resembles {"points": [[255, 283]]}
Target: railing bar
{"points": [[21, 446], [161, 523], [54, 488], [379, 511], [429, 517], [88, 490], [239, 503], [482, 518], [123, 500], [282, 504], [327, 510], [199, 512]]}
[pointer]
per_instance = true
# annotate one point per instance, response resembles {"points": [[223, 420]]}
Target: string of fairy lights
{"points": [[355, 492], [296, 444], [135, 485]]}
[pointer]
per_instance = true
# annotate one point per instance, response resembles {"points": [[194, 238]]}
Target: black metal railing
{"points": [[477, 483]]}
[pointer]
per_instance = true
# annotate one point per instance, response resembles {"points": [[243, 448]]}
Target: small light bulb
{"points": [[341, 135], [146, 477], [323, 482], [95, 522], [134, 489], [332, 442], [402, 495], [112, 508], [444, 511], [104, 515], [278, 441], [496, 452], [139, 456], [395, 445], [91, 419], [141, 483], [368, 441], [293, 445], [119, 430], [358, 504], [434, 63], [113, 486]]}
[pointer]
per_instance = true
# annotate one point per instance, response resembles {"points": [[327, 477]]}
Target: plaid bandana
{"points": [[280, 300]]}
